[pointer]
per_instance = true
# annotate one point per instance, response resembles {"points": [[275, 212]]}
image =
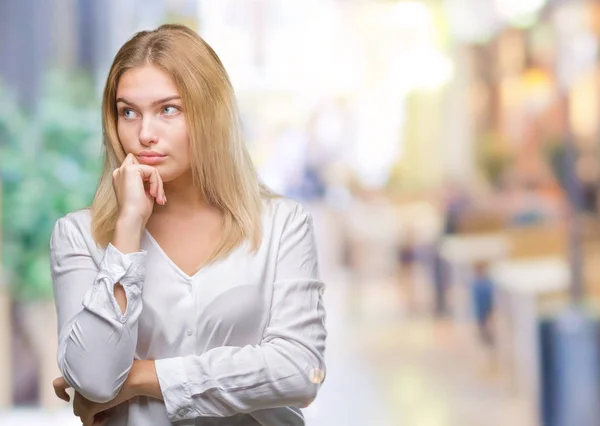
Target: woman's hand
{"points": [[130, 181], [92, 413], [60, 388], [141, 381]]}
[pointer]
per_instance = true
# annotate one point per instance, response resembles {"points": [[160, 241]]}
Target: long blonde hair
{"points": [[220, 163]]}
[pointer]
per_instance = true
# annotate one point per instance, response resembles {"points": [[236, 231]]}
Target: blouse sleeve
{"points": [[96, 342], [286, 369]]}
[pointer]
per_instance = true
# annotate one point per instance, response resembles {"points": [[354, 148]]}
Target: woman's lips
{"points": [[151, 159]]}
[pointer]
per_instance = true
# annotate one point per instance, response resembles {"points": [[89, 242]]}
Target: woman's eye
{"points": [[170, 110], [128, 113]]}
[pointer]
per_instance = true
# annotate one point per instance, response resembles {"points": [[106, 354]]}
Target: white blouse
{"points": [[241, 342]]}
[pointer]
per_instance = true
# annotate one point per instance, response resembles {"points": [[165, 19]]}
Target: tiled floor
{"points": [[432, 373]]}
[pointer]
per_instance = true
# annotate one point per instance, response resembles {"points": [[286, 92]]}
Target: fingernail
{"points": [[164, 199]]}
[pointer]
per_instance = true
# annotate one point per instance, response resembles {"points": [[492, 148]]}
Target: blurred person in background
{"points": [[188, 290], [455, 203], [482, 294]]}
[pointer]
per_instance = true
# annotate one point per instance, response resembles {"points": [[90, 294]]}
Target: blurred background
{"points": [[447, 149]]}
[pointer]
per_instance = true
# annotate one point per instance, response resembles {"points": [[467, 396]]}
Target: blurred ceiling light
{"points": [[409, 37], [379, 123], [410, 14], [519, 12], [436, 70], [423, 67], [471, 20]]}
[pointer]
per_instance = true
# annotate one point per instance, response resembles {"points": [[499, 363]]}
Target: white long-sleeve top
{"points": [[241, 342]]}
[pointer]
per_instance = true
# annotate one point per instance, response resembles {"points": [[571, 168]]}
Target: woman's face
{"points": [[151, 122]]}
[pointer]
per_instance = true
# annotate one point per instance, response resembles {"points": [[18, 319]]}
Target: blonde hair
{"points": [[220, 163]]}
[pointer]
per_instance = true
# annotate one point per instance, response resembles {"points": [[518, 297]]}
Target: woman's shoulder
{"points": [[74, 227], [282, 209], [81, 218]]}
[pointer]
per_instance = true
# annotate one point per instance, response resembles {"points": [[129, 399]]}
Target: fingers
{"points": [[150, 174], [134, 159], [62, 394], [77, 405], [60, 386], [82, 410], [129, 160], [154, 183], [161, 198], [90, 413], [147, 173]]}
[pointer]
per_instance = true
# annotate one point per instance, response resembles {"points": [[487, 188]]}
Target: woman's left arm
{"points": [[286, 369]]}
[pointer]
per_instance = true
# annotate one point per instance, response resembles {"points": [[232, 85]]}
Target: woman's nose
{"points": [[147, 136]]}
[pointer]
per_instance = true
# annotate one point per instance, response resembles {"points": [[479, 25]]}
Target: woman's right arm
{"points": [[97, 307]]}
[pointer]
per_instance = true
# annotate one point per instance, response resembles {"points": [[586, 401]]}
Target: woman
{"points": [[188, 292]]}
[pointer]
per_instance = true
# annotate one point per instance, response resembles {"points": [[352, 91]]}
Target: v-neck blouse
{"points": [[241, 342], [148, 236]]}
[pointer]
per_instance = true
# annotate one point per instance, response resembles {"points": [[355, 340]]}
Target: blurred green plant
{"points": [[50, 162]]}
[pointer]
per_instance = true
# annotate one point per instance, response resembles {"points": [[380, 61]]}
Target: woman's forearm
{"points": [[127, 239], [143, 380]]}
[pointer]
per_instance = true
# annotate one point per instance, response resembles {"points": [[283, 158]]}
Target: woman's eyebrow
{"points": [[157, 102]]}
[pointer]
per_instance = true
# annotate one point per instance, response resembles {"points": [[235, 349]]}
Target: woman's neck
{"points": [[183, 198]]}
